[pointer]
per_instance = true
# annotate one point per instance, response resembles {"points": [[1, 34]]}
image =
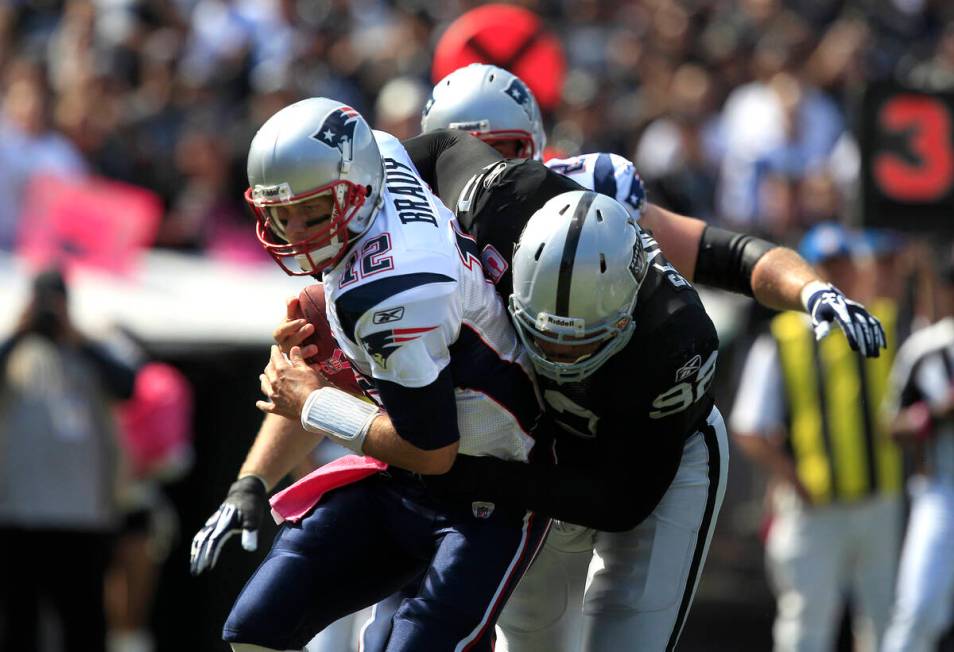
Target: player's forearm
{"points": [[779, 277], [280, 445], [678, 236], [731, 261], [384, 443]]}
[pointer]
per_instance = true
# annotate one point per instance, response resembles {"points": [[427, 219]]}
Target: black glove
{"points": [[241, 511], [864, 331]]}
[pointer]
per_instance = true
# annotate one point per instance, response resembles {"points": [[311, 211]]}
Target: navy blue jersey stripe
{"points": [[569, 254], [604, 177], [354, 303], [475, 365]]}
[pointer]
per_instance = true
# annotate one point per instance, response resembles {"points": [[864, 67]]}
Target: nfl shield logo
{"points": [[482, 509]]}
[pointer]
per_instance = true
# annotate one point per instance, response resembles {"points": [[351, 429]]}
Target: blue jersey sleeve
{"points": [[426, 416]]}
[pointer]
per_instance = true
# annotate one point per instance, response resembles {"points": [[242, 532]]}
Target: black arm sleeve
{"points": [[726, 259], [118, 378], [447, 158]]}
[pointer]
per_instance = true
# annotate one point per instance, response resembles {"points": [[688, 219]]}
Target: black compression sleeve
{"points": [[447, 158], [726, 259]]}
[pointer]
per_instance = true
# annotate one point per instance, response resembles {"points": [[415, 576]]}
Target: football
{"points": [[311, 300], [329, 359]]}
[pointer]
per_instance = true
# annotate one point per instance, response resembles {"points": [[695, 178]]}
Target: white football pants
{"points": [[595, 591]]}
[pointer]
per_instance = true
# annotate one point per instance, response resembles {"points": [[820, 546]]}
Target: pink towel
{"points": [[293, 503]]}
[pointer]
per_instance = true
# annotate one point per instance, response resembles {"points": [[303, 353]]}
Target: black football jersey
{"points": [[492, 197], [629, 420], [649, 397]]}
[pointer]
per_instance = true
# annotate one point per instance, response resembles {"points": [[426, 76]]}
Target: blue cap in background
{"points": [[825, 241], [881, 242]]}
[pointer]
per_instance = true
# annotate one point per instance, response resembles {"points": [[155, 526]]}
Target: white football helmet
{"points": [[490, 103], [312, 148], [577, 269]]}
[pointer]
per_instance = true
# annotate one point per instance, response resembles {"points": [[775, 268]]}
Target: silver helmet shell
{"points": [[577, 270], [314, 147], [490, 103]]}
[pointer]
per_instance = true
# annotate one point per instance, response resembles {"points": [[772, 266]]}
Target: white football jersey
{"points": [[607, 174], [411, 299]]}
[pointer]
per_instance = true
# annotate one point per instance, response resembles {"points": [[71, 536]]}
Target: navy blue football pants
{"points": [[365, 541]]}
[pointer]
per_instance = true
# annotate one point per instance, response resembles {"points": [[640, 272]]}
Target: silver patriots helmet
{"points": [[308, 149], [577, 269], [490, 103]]}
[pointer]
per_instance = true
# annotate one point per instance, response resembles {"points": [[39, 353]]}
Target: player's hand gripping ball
{"points": [[330, 360]]}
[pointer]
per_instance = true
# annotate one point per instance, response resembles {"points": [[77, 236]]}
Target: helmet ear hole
{"points": [[536, 256], [602, 264]]}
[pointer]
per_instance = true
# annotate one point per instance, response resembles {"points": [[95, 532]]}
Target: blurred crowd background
{"points": [[744, 113], [735, 111]]}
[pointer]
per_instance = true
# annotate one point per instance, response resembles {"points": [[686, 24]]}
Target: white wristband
{"points": [[811, 288], [341, 416]]}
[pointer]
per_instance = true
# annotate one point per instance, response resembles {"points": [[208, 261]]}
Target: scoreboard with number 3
{"points": [[907, 147]]}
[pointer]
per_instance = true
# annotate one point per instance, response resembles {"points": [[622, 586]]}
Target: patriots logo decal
{"points": [[338, 128], [518, 92], [381, 344], [637, 193]]}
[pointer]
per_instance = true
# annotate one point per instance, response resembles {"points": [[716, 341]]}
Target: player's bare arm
{"points": [[678, 236], [775, 276], [288, 385], [279, 446], [778, 275]]}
